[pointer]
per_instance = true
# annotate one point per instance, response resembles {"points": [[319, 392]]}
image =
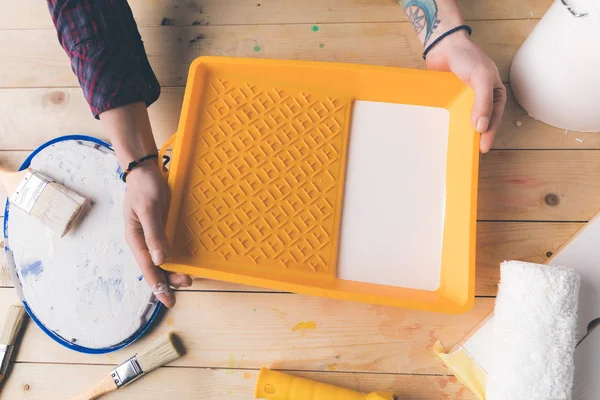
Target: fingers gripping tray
{"points": [[336, 180]]}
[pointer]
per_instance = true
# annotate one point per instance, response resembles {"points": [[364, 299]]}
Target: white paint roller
{"points": [[534, 333]]}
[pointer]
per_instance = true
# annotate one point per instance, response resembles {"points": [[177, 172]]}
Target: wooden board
{"points": [[544, 185], [32, 14], [45, 381], [375, 347], [581, 253], [64, 111], [496, 242], [224, 330], [34, 58]]}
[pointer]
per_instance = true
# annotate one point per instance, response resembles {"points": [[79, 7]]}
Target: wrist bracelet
{"points": [[134, 164], [443, 35]]}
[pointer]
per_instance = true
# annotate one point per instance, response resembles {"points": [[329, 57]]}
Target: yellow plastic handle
{"points": [[163, 151], [272, 385]]}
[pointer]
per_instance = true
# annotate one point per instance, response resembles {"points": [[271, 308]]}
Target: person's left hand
{"points": [[143, 213], [458, 54]]}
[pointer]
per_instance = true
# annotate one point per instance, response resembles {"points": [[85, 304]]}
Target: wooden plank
{"points": [[496, 242], [545, 185], [33, 14], [33, 116], [33, 58], [251, 330], [523, 241], [520, 131], [43, 381]]}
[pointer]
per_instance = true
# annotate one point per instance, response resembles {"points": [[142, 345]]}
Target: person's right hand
{"points": [[144, 213], [459, 54]]}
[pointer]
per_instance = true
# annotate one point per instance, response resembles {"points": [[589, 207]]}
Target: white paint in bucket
{"points": [[85, 287]]}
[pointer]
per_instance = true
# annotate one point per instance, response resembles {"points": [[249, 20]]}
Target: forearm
{"points": [[431, 18], [129, 131]]}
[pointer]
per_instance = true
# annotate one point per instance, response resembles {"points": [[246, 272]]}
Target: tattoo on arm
{"points": [[422, 15]]}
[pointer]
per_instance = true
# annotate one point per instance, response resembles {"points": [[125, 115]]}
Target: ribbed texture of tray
{"points": [[265, 189]]}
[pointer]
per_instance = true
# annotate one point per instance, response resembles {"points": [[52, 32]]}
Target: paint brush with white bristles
{"points": [[164, 352], [15, 319], [48, 201]]}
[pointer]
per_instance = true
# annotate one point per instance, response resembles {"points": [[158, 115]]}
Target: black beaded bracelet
{"points": [[443, 35], [134, 164]]}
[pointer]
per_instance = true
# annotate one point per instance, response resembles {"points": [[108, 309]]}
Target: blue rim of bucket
{"points": [[47, 331]]}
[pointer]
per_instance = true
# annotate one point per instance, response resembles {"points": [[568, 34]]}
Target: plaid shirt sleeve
{"points": [[106, 51]]}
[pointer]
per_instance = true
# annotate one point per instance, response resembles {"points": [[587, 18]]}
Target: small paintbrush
{"points": [[48, 201], [8, 337], [165, 351]]}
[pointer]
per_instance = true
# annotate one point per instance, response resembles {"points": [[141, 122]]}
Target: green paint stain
{"points": [[321, 46], [257, 48], [315, 28], [255, 310], [229, 393]]}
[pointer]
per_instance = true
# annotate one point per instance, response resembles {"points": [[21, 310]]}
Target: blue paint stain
{"points": [[140, 278], [34, 269]]}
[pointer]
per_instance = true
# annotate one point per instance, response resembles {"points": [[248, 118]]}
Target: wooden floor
{"points": [[537, 187]]}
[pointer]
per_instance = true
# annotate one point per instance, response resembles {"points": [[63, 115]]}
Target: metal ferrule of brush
{"points": [[5, 354], [127, 372]]}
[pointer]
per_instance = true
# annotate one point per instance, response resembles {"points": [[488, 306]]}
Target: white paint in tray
{"points": [[395, 195]]}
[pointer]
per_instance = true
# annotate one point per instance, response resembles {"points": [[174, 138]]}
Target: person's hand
{"points": [[458, 54], [144, 212], [146, 198]]}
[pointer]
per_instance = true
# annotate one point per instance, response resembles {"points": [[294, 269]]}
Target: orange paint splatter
{"points": [[332, 367], [432, 340], [247, 375], [170, 321], [443, 383], [304, 326], [415, 327], [460, 394]]}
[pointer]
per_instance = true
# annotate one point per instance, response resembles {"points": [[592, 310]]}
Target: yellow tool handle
{"points": [[272, 385]]}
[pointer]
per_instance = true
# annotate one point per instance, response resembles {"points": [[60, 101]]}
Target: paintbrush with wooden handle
{"points": [[15, 320], [165, 351], [48, 201]]}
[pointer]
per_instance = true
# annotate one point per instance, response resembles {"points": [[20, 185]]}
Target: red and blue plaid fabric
{"points": [[106, 51]]}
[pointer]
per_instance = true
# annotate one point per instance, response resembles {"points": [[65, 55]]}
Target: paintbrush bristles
{"points": [[163, 353], [58, 207], [12, 325]]}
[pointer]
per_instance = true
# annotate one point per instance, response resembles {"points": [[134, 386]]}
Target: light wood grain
{"points": [[33, 58], [224, 330], [496, 242], [47, 382], [520, 131], [33, 116], [546, 185], [523, 241], [32, 14]]}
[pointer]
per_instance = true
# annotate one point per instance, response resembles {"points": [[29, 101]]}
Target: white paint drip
{"points": [[85, 286], [160, 288]]}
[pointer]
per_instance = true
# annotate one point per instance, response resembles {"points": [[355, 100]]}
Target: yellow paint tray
{"points": [[258, 172]]}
